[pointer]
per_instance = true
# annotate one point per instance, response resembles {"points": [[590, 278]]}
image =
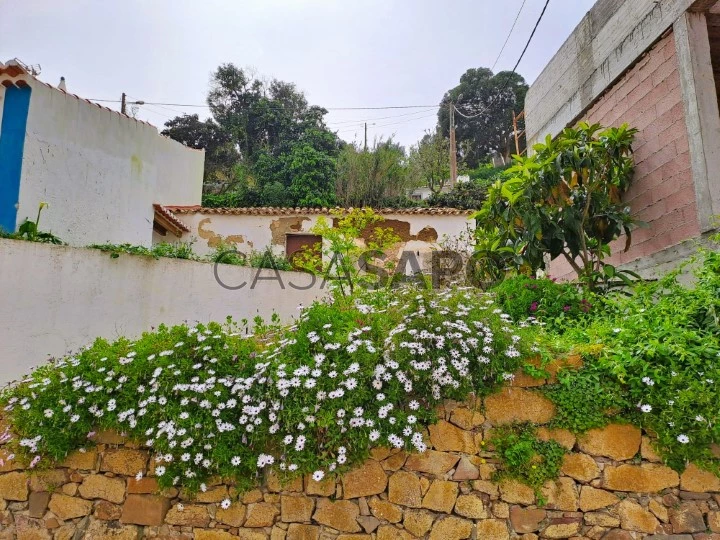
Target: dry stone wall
{"points": [[613, 486]]}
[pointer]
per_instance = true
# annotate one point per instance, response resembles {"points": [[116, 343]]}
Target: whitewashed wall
{"points": [[56, 299], [100, 171], [253, 232]]}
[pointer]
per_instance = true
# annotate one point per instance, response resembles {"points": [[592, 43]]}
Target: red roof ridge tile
{"points": [[275, 210]]}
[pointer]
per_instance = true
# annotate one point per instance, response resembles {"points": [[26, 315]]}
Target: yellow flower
{"points": [[43, 205]]}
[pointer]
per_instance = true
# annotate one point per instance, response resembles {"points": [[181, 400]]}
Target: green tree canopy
{"points": [[221, 155], [275, 147], [488, 100], [371, 177], [430, 161]]}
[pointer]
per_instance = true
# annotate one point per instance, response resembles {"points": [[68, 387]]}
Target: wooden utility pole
{"points": [[517, 133], [453, 148], [366, 136], [123, 103]]}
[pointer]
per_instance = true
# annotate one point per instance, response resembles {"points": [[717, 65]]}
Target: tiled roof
{"points": [[172, 218], [278, 211]]}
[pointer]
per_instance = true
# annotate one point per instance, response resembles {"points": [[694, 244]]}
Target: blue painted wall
{"points": [[12, 141]]}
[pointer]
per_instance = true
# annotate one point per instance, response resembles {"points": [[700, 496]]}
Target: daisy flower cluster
{"points": [[310, 399]]}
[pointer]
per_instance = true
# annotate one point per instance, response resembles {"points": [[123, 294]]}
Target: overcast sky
{"points": [[341, 53]]}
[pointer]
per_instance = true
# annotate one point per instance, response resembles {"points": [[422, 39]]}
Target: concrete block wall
{"points": [[649, 98]]}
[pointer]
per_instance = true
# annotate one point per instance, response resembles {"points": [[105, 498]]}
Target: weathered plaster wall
{"points": [[649, 98], [56, 299], [612, 486], [419, 233], [100, 171]]}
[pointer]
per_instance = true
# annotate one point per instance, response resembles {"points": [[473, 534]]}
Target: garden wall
{"points": [[55, 299], [612, 486]]}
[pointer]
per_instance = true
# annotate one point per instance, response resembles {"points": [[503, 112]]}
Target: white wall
{"points": [[56, 299], [100, 171], [256, 231], [253, 232], [179, 172]]}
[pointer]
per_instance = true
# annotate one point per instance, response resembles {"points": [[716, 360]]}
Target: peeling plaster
{"points": [[214, 239], [281, 226]]}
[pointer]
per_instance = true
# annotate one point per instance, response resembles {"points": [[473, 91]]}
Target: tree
{"points": [[353, 251], [273, 148], [371, 177], [486, 102], [565, 200], [221, 156], [464, 195], [430, 161]]}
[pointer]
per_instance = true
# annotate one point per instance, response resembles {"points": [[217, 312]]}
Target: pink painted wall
{"points": [[648, 97]]}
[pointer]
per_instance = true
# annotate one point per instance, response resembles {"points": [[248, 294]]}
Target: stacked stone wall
{"points": [[612, 486]]}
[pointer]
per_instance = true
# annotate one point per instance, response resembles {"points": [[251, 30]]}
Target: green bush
{"points": [[267, 259], [181, 250], [587, 399], [465, 195], [227, 254], [658, 364], [551, 302]]}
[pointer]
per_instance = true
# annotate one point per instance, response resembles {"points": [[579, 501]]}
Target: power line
{"points": [[362, 121], [537, 23], [508, 36], [277, 107], [507, 81], [406, 121]]}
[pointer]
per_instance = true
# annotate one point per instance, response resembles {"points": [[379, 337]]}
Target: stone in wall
{"points": [[604, 491]]}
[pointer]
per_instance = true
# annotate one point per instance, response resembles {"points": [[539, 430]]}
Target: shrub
{"points": [[181, 250], [227, 254], [464, 195], [658, 363], [587, 399], [553, 303], [267, 259], [341, 257], [565, 200], [359, 372]]}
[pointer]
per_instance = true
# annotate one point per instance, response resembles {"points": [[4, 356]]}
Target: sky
{"points": [[368, 53]]}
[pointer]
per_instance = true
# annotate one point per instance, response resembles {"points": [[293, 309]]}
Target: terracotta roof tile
{"points": [[168, 214], [278, 211]]}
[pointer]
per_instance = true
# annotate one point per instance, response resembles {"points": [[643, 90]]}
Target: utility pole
{"points": [[123, 105], [453, 149], [517, 133], [366, 136]]}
